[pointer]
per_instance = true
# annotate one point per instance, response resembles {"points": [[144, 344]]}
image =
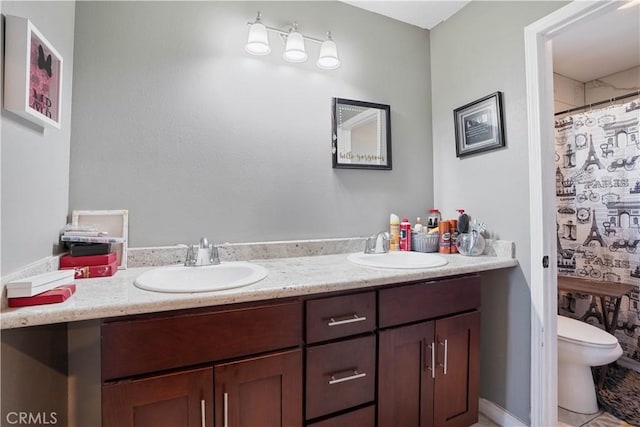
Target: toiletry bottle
{"points": [[405, 235], [453, 225], [444, 239], [463, 221], [418, 227], [433, 219], [394, 232]]}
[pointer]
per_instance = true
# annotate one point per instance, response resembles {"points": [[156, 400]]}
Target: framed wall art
{"points": [[479, 125], [32, 74], [114, 222]]}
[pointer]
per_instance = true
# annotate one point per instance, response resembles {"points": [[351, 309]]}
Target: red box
{"points": [[84, 261], [52, 296], [89, 271]]}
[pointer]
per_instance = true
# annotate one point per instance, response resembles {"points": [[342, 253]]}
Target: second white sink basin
{"points": [[403, 260], [176, 279]]}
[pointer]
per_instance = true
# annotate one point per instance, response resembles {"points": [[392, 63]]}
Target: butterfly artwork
{"points": [[33, 73], [44, 63]]}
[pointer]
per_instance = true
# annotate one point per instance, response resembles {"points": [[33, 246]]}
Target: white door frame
{"points": [[543, 285]]}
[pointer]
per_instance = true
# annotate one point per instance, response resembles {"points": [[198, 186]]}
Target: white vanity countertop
{"points": [[288, 277]]}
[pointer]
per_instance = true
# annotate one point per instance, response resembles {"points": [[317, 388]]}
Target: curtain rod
{"points": [[617, 98]]}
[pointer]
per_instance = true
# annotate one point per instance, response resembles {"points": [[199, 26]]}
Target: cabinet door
{"points": [[264, 391], [458, 374], [178, 399], [405, 376]]}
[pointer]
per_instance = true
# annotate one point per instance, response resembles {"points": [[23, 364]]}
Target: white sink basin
{"points": [[402, 260], [226, 275]]}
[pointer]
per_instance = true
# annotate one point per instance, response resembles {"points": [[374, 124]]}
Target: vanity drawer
{"points": [[340, 375], [365, 417], [428, 300], [336, 317], [134, 346]]}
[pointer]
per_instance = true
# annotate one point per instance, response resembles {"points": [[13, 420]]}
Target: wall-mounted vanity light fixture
{"points": [[258, 44]]}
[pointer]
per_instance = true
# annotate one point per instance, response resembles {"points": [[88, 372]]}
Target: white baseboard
{"points": [[629, 363], [498, 414]]}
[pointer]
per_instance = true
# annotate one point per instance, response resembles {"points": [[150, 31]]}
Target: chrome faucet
{"points": [[377, 244], [202, 254]]}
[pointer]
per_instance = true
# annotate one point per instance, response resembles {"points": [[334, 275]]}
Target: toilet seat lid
{"points": [[584, 333]]}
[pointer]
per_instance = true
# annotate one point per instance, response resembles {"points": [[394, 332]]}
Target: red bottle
{"points": [[405, 235]]}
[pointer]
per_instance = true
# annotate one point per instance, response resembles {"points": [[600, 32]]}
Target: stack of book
{"points": [[88, 240], [47, 288], [90, 253], [90, 265]]}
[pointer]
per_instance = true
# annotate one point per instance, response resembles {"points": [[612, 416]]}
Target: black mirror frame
{"points": [[334, 133]]}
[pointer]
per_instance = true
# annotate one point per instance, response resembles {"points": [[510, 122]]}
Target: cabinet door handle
{"points": [[225, 421], [444, 366], [355, 376], [350, 319], [203, 412], [431, 368]]}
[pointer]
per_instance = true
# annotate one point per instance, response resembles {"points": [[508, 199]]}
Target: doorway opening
{"points": [[539, 78]]}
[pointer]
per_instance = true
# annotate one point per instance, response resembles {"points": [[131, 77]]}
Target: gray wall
{"points": [[35, 177], [478, 51], [176, 123], [35, 162]]}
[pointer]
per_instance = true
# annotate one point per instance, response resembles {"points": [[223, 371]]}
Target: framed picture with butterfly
{"points": [[32, 74]]}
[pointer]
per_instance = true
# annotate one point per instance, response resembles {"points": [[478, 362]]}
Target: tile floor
{"points": [[570, 419], [484, 422], [600, 419]]}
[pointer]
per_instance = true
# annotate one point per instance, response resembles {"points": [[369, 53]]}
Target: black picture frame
{"points": [[365, 124], [479, 125]]}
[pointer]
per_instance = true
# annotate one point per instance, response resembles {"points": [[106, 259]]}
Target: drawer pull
{"points": [[355, 376], [444, 366], [351, 319], [431, 368], [203, 411], [226, 410]]}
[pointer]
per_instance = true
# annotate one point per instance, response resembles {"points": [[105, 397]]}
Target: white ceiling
{"points": [[600, 46], [584, 51], [421, 13]]}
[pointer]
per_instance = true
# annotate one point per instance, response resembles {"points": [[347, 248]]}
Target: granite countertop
{"points": [[288, 277]]}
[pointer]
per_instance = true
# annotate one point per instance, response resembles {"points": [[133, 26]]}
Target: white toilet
{"points": [[581, 346]]}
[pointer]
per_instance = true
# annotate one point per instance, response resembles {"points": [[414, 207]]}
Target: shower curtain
{"points": [[598, 209]]}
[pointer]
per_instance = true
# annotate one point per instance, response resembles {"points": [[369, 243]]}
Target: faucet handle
{"points": [[191, 256], [378, 243], [214, 258]]}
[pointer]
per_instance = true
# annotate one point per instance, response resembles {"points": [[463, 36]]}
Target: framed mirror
{"points": [[361, 135]]}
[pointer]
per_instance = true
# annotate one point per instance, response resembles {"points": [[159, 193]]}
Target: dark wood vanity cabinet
{"points": [[428, 372], [404, 355], [263, 391], [239, 366], [182, 398], [341, 356]]}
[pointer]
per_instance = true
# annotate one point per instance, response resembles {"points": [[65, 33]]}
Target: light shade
{"points": [[294, 51], [328, 59], [258, 41]]}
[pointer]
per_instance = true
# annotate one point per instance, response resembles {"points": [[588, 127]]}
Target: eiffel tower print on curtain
{"points": [[602, 203], [592, 157], [594, 234]]}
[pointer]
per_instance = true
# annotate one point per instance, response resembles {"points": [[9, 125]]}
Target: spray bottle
{"points": [[394, 232]]}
